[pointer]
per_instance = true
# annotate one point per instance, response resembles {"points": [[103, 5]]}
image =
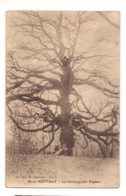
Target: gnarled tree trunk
{"points": [[67, 133]]}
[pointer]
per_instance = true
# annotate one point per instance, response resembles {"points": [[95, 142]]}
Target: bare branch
{"points": [[108, 20]]}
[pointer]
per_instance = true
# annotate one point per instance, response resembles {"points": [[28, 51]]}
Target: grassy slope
{"points": [[90, 170]]}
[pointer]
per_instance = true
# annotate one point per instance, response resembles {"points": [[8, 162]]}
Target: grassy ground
{"points": [[53, 171]]}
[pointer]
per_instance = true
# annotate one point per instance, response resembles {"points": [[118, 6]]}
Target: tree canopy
{"points": [[63, 75]]}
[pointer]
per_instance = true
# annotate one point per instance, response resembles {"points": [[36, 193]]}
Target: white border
{"points": [[106, 5]]}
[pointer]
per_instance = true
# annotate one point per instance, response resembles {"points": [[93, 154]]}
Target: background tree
{"points": [[63, 75]]}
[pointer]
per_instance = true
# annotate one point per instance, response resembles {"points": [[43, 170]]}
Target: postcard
{"points": [[62, 99]]}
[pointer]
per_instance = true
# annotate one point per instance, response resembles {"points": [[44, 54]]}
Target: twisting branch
{"points": [[56, 54], [49, 143]]}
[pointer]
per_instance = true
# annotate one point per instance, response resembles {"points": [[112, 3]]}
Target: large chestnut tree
{"points": [[63, 75]]}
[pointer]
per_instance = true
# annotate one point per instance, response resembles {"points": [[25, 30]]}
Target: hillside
{"points": [[63, 171]]}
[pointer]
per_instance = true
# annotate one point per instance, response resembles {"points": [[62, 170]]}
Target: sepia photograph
{"points": [[62, 99]]}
